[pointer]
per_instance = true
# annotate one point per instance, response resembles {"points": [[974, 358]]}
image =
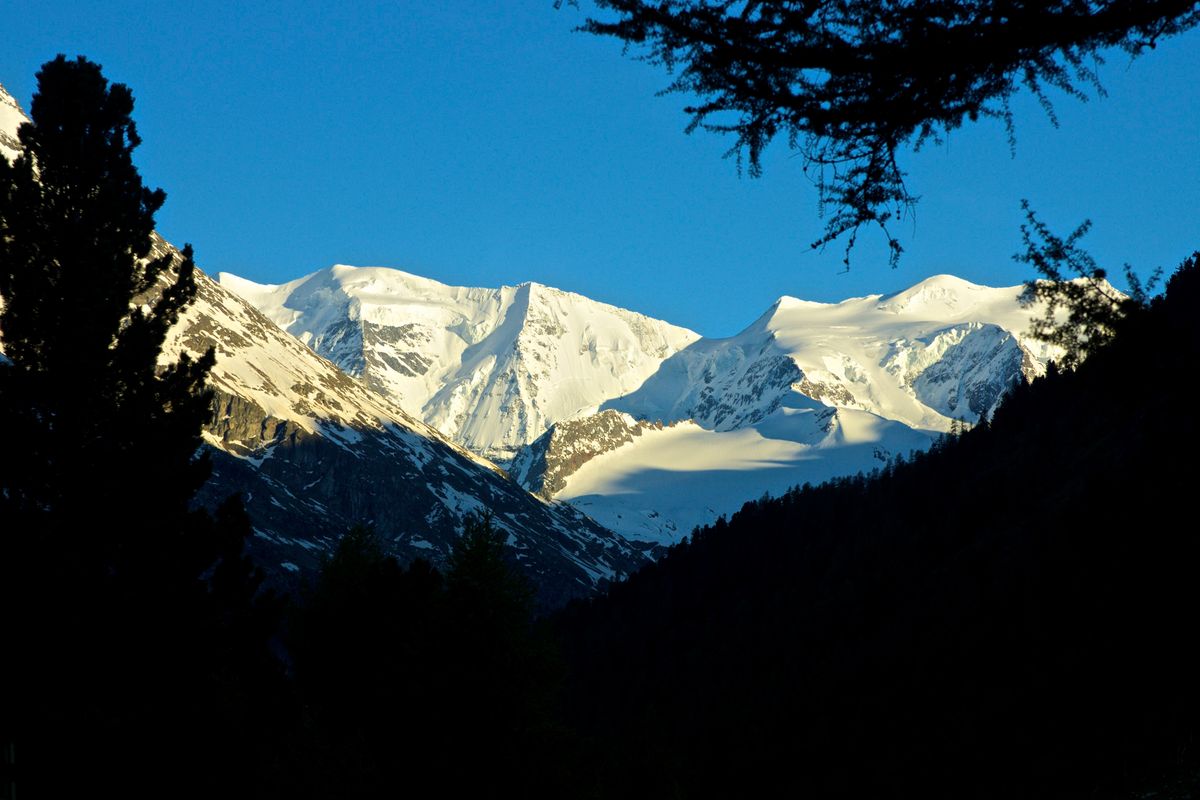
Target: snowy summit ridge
{"points": [[646, 426], [490, 368], [878, 353]]}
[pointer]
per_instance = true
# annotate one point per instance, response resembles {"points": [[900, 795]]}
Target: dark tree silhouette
{"points": [[491, 597], [100, 429], [367, 655], [439, 685], [124, 605], [1082, 309], [503, 675], [852, 82]]}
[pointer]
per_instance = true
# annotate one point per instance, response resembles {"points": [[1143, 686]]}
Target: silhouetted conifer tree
{"points": [[1082, 309], [438, 685], [120, 643], [504, 675]]}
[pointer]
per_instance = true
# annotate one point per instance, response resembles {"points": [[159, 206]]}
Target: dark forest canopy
{"points": [[851, 83], [1004, 616]]}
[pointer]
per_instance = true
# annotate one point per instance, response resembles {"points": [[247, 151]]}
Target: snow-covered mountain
{"points": [[314, 451], [490, 368], [807, 392], [647, 427], [941, 350]]}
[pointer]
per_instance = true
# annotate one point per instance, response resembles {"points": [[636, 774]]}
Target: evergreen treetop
{"points": [[87, 307], [131, 619]]}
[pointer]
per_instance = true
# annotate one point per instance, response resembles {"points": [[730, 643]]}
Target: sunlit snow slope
{"points": [[490, 368]]}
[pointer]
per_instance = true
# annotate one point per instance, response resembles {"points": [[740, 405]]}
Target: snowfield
{"points": [[659, 487]]}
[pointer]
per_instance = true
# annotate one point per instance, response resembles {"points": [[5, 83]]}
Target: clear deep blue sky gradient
{"points": [[486, 143]]}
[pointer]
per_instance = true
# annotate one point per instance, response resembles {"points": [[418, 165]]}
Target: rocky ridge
{"points": [[313, 451]]}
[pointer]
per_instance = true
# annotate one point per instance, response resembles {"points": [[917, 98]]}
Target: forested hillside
{"points": [[1008, 615]]}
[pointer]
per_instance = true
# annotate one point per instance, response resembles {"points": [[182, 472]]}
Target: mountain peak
{"points": [[786, 302], [937, 292], [947, 281], [6, 98], [380, 281]]}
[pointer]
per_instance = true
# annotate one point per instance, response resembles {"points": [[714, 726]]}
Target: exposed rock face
{"points": [[303, 489], [962, 371], [832, 394], [314, 451], [544, 466]]}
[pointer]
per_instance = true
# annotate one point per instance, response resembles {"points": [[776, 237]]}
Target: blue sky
{"points": [[485, 143]]}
